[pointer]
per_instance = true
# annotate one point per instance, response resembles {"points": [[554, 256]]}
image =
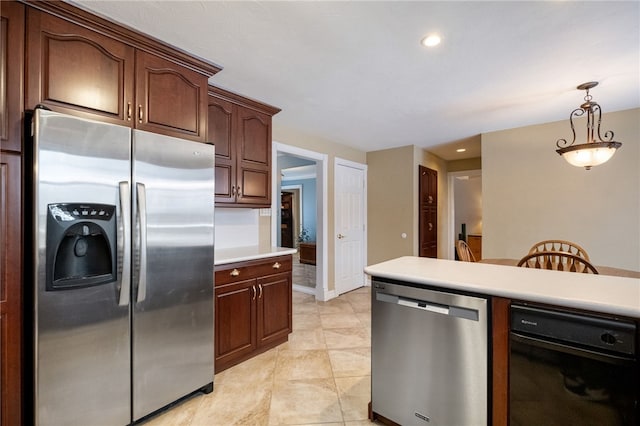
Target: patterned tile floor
{"points": [[322, 375]]}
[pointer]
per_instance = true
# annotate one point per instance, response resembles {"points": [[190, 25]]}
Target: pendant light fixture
{"points": [[596, 150]]}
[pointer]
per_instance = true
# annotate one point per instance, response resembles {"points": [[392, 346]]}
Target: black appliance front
{"points": [[572, 369], [81, 245]]}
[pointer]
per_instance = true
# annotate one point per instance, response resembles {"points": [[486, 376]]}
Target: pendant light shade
{"points": [[596, 150]]}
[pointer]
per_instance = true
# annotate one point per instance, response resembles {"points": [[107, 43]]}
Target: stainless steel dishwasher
{"points": [[429, 356]]}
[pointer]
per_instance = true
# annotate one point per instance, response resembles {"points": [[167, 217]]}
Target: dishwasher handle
{"points": [[568, 348], [437, 308]]}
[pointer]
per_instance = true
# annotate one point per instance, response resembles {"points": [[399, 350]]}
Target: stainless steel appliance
{"points": [[569, 368], [429, 355], [123, 229]]}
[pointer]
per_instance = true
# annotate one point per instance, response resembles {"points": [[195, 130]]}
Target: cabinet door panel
{"points": [[77, 71], [274, 308], [171, 99], [235, 318], [225, 181], [254, 186], [254, 157], [220, 133], [11, 71], [255, 137]]}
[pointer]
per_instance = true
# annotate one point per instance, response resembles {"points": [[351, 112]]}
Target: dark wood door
{"points": [[253, 145], [286, 219], [220, 133], [12, 24], [170, 99], [274, 308], [77, 71], [428, 214], [235, 322]]}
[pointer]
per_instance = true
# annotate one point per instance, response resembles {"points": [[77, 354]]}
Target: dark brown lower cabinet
{"points": [[10, 290], [252, 308]]}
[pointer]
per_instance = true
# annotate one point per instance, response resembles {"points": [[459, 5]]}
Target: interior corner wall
{"points": [[530, 193], [390, 204]]}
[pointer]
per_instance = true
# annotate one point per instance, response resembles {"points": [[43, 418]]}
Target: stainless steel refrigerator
{"points": [[123, 259]]}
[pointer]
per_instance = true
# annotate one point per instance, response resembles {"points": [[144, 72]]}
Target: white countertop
{"points": [[241, 254], [598, 293]]}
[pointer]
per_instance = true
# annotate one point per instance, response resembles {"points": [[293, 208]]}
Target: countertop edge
{"points": [[243, 254], [579, 291]]}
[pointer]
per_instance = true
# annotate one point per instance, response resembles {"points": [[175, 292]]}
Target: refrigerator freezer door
{"points": [[172, 282], [82, 344]]}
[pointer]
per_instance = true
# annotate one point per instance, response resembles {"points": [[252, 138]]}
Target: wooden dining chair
{"points": [[464, 252], [557, 261], [559, 245]]}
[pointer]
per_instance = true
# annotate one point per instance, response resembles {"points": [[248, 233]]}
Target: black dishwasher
{"points": [[569, 368]]}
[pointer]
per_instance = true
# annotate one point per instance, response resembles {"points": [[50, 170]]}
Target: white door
{"points": [[350, 224]]}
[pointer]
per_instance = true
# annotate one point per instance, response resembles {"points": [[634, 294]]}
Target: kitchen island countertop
{"points": [[242, 254], [597, 293]]}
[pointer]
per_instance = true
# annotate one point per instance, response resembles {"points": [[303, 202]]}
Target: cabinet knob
{"points": [[234, 273], [253, 288], [430, 226], [128, 111], [139, 113], [260, 295], [277, 265]]}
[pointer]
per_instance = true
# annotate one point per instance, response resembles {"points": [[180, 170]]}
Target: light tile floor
{"points": [[321, 376]]}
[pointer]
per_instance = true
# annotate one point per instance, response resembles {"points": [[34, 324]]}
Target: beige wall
{"points": [[393, 201], [301, 140], [390, 204], [464, 165], [530, 193]]}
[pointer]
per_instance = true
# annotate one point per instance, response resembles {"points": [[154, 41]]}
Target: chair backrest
{"points": [[559, 245], [464, 252], [557, 261]]}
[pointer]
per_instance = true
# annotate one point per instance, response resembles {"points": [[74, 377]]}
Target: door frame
{"points": [[363, 168], [322, 256]]}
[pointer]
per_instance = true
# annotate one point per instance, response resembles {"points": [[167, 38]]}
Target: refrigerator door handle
{"points": [[125, 266], [142, 215]]}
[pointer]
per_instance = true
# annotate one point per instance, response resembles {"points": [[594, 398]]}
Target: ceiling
{"points": [[355, 73]]}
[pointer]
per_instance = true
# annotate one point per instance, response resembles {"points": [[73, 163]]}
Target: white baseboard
{"points": [[328, 295]]}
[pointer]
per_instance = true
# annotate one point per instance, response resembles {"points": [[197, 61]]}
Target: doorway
{"points": [[465, 208], [297, 164]]}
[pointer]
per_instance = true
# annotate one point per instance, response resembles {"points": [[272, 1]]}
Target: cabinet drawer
{"points": [[234, 272]]}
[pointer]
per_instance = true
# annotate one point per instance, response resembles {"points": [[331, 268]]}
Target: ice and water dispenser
{"points": [[81, 245]]}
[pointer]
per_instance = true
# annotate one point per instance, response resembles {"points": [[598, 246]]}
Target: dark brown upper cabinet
{"points": [[104, 73], [240, 128]]}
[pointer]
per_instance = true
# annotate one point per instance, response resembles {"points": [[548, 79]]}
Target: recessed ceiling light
{"points": [[461, 150], [431, 40]]}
